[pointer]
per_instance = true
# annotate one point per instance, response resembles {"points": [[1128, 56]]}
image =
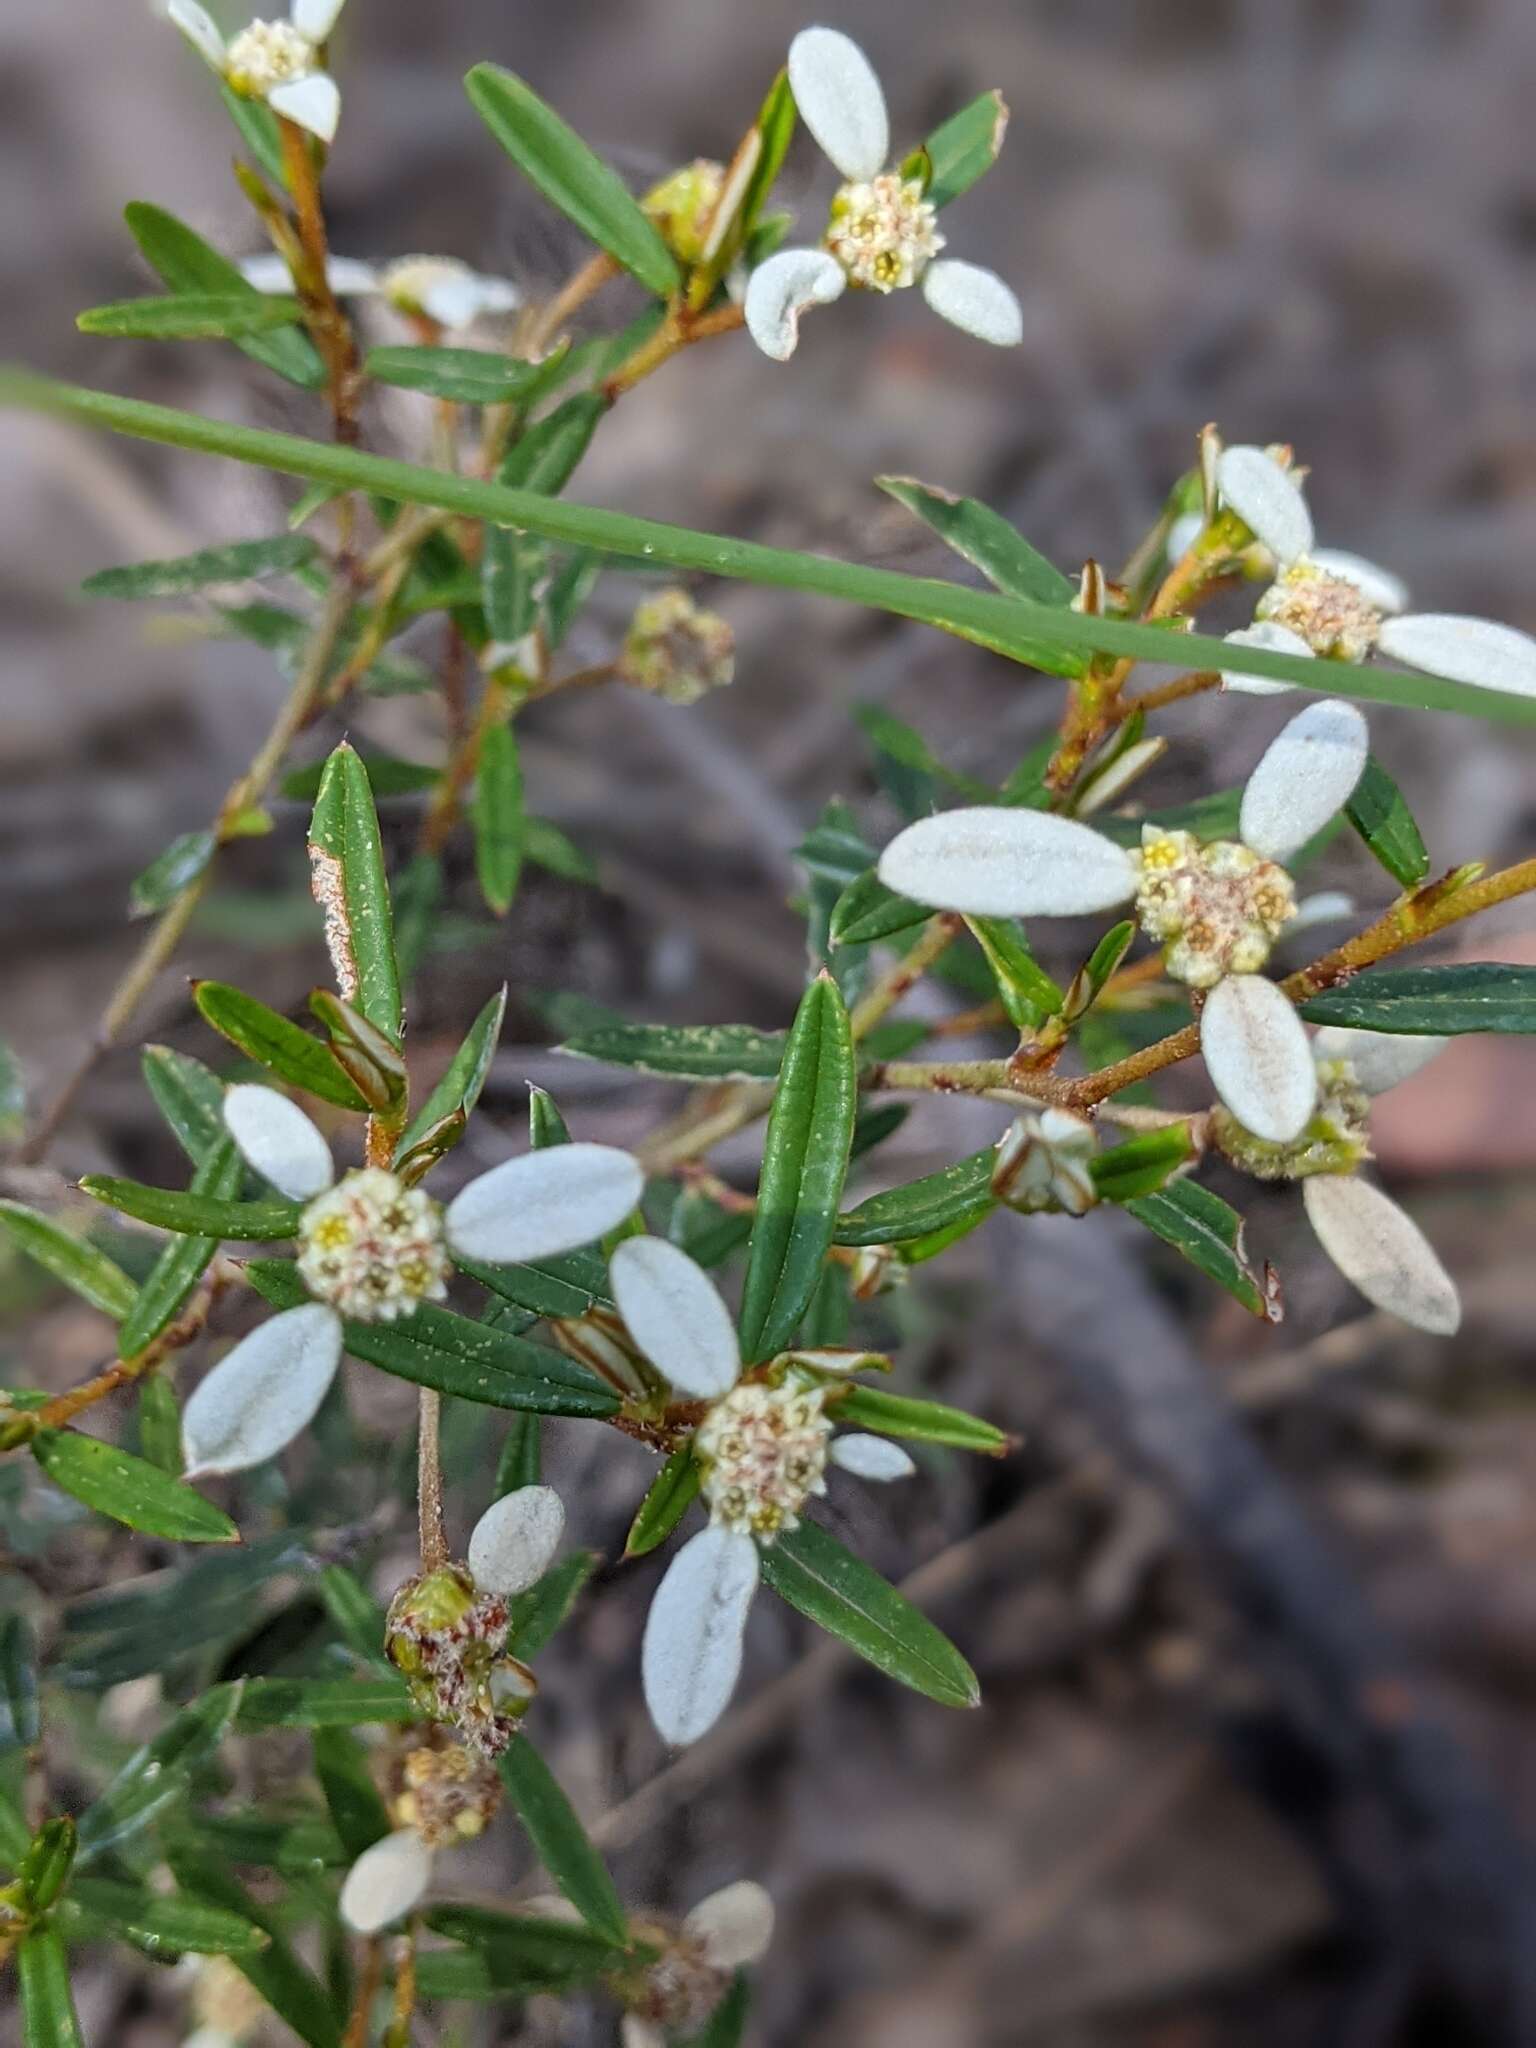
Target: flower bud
{"points": [[1336, 1140], [1043, 1163], [683, 205], [449, 1642], [676, 649]]}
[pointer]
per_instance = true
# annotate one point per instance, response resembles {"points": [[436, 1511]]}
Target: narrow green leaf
{"points": [[506, 585], [962, 149], [920, 1421], [258, 130], [19, 1725], [497, 816], [538, 1289], [197, 1215], [775, 126], [1479, 995], [386, 776], [546, 457], [684, 1052], [182, 1264], [560, 1841], [274, 1042], [546, 1126], [846, 1597], [158, 1924], [556, 159], [187, 264], [157, 1775], [726, 2026], [805, 1159], [325, 1702], [666, 1501], [546, 1607], [81, 1267], [1028, 993], [129, 1489], [436, 1348], [1209, 1233], [293, 1993], [357, 1615], [1141, 1165], [48, 2017], [867, 911], [1089, 983], [520, 1461], [919, 1207], [46, 1866], [1380, 814], [467, 376], [279, 554], [170, 872], [347, 860], [551, 849], [1008, 625], [985, 539], [508, 1953], [353, 1799], [159, 1421], [188, 1096], [460, 1086], [191, 316]]}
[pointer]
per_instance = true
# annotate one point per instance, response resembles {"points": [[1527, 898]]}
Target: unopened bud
{"points": [[449, 1642], [676, 649], [1043, 1163], [683, 205]]}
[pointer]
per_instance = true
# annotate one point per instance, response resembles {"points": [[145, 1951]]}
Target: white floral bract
{"points": [[440, 287], [676, 1316], [1476, 651], [276, 61], [386, 1882], [515, 1540], [734, 1927], [544, 1203], [1305, 778], [263, 1393], [1267, 499], [691, 1656], [1258, 1056], [1382, 1252], [279, 1140], [870, 1457], [1274, 639], [880, 233], [991, 861], [1380, 1059]]}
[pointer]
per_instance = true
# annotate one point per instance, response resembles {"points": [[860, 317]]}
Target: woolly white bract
{"points": [[281, 62]]}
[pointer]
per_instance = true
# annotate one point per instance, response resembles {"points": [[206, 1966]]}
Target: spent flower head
{"points": [[679, 1992], [676, 649]]}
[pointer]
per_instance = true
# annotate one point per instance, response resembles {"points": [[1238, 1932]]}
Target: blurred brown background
{"points": [[1203, 1805]]}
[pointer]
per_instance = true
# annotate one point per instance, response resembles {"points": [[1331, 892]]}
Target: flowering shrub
{"points": [[576, 1281]]}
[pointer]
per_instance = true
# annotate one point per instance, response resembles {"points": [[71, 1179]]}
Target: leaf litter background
{"points": [[1225, 1787]]}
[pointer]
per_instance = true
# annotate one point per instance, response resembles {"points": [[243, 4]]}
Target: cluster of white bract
{"points": [[1217, 909], [883, 232], [762, 1453], [373, 1248], [281, 62]]}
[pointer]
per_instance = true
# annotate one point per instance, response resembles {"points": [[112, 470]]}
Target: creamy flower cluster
{"points": [[1217, 909], [373, 1248], [677, 649], [883, 232], [762, 1451]]}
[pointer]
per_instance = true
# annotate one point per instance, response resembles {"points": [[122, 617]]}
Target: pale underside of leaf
{"points": [[1307, 775], [781, 289], [1267, 500], [543, 1203], [975, 300], [840, 100], [279, 1140], [268, 1389], [994, 862]]}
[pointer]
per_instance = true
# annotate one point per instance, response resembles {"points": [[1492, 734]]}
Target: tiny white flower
{"points": [[386, 1882], [882, 232], [762, 1448], [373, 1249], [281, 62], [515, 1540]]}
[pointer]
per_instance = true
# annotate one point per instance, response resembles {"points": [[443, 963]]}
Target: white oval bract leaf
{"points": [[544, 1203], [674, 1313], [259, 1397], [315, 18], [312, 103], [1260, 1062], [199, 28], [635, 2031], [386, 1881], [871, 1457], [1382, 1252], [734, 1926], [279, 1140], [975, 300], [993, 862], [1326, 907], [779, 291], [840, 100], [691, 1656], [1274, 639], [1307, 775], [1267, 500], [1476, 651], [515, 1540], [1378, 586], [1380, 1059]]}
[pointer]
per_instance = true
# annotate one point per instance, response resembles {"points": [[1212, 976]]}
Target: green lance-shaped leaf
{"points": [[358, 1617], [177, 868], [555, 158], [506, 1954], [544, 1290], [459, 1089], [259, 131], [19, 1724], [805, 1160], [158, 1924], [546, 1607], [188, 1096], [182, 1264], [840, 1593], [985, 539], [191, 316], [325, 1702], [1091, 979], [1380, 814], [159, 1423], [920, 1421], [1481, 995], [386, 775], [293, 1993], [1209, 1233], [726, 2026], [1009, 625], [1027, 992], [507, 571], [498, 818], [50, 1857], [157, 1775], [546, 457], [960, 150], [466, 376], [867, 911], [89, 1272], [520, 1461], [129, 1489], [197, 1215], [279, 554], [554, 851], [920, 1207], [667, 1500], [684, 1052], [1142, 1165], [276, 1043], [436, 1348], [341, 1765], [186, 264], [48, 2018], [560, 1841], [347, 871]]}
